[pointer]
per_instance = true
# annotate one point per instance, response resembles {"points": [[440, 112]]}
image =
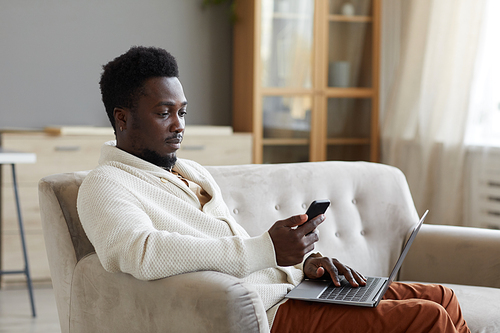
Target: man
{"points": [[152, 215]]}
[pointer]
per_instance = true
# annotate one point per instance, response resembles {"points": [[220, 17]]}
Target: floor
{"points": [[15, 310]]}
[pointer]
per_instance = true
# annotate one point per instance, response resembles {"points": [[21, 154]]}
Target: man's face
{"points": [[154, 129]]}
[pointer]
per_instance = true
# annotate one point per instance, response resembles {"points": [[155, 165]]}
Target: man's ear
{"points": [[120, 116]]}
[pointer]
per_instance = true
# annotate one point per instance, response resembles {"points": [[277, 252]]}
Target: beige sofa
{"points": [[367, 223]]}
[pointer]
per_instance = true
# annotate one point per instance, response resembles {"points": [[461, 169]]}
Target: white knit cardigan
{"points": [[144, 221]]}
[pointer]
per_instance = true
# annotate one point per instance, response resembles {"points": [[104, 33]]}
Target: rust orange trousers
{"points": [[404, 308]]}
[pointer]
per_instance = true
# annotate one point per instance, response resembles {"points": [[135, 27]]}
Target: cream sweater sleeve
{"points": [[132, 234]]}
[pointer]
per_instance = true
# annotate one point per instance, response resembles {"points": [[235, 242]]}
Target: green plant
{"points": [[232, 7]]}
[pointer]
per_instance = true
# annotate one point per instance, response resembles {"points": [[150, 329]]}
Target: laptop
{"points": [[369, 295]]}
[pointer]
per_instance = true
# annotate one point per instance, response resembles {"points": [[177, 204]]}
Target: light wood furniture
{"points": [[208, 145], [55, 154], [306, 79], [10, 157]]}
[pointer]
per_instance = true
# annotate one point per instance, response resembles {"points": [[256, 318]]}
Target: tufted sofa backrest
{"points": [[366, 224], [369, 218]]}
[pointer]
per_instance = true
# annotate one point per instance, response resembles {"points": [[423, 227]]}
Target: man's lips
{"points": [[174, 140]]}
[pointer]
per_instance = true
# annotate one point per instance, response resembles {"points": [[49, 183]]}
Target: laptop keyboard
{"points": [[347, 292]]}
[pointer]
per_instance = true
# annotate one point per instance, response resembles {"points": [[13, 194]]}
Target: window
{"points": [[484, 106]]}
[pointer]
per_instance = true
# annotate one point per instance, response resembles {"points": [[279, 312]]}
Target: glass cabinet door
{"points": [[350, 43], [286, 51], [286, 117], [350, 73], [348, 123], [286, 43], [349, 118], [287, 128]]}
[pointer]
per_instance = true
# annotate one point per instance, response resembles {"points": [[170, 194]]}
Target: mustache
{"points": [[174, 137]]}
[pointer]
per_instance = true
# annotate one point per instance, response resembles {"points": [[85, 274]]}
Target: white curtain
{"points": [[425, 116], [484, 106], [482, 190]]}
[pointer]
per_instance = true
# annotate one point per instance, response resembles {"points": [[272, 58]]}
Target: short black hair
{"points": [[123, 78]]}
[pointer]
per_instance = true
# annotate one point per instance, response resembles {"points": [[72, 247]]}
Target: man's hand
{"points": [[315, 267], [293, 238]]}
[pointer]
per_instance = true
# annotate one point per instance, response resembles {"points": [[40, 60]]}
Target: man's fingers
{"points": [[314, 271], [354, 278], [317, 267], [311, 225], [312, 237], [319, 272], [291, 244], [294, 221], [348, 276], [333, 272], [359, 278], [293, 238], [302, 222]]}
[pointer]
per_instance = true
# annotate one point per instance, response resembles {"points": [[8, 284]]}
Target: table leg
{"points": [[23, 241]]}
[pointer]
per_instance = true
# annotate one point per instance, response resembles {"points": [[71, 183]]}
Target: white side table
{"points": [[13, 158]]}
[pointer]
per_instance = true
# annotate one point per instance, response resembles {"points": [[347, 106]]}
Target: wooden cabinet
{"points": [[216, 145], [55, 154], [66, 153], [306, 79]]}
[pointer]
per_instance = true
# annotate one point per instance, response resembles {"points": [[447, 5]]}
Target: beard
{"points": [[166, 162]]}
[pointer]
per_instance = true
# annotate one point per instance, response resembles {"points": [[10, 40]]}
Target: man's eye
{"points": [[182, 113]]}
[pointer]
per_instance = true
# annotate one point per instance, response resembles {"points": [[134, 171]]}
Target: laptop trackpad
{"points": [[309, 288]]}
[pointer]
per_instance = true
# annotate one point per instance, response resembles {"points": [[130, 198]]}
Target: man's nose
{"points": [[177, 124]]}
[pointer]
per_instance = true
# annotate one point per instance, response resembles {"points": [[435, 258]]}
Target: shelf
{"points": [[348, 141], [280, 91], [285, 142], [350, 92], [291, 16], [354, 18]]}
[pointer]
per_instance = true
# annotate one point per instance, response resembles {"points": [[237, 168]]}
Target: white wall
{"points": [[52, 52]]}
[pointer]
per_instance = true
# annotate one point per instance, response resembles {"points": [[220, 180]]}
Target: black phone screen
{"points": [[316, 208]]}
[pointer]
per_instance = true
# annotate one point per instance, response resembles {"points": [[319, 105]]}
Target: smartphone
{"points": [[316, 208]]}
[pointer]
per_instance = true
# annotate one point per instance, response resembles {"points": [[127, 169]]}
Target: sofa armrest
{"points": [[193, 302], [450, 254]]}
